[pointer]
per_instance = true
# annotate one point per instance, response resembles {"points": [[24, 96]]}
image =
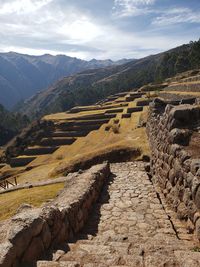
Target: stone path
{"points": [[129, 226]]}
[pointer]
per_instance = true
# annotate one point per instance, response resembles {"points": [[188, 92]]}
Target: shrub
{"points": [[116, 121], [59, 157], [115, 128]]}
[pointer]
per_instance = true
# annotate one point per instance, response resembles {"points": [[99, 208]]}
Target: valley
{"points": [[113, 182], [63, 153], [99, 133], [22, 76]]}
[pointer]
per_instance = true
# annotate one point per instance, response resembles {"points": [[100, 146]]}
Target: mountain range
{"points": [[22, 76], [91, 86], [82, 88]]}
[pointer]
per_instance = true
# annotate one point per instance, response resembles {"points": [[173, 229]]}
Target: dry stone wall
{"points": [[173, 168], [33, 232]]}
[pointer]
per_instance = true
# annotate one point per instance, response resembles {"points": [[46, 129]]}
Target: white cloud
{"points": [[176, 16], [53, 26], [127, 8], [22, 6], [81, 30]]}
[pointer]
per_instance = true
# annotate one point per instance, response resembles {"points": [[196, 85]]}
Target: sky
{"points": [[98, 29]]}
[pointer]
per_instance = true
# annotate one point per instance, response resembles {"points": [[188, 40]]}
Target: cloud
{"points": [[22, 6], [177, 16], [127, 8], [88, 29]]}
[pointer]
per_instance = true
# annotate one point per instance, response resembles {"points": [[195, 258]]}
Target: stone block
{"points": [[182, 212], [46, 236], [194, 166], [183, 156], [180, 136], [197, 229], [187, 196], [25, 226], [172, 177], [197, 197], [174, 150], [34, 251]]}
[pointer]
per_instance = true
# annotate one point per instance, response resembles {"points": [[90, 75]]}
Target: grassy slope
{"points": [[96, 143], [10, 202]]}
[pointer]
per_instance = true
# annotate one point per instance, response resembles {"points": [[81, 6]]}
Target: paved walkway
{"points": [[129, 226]]}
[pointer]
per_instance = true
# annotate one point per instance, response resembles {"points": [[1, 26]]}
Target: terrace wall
{"points": [[174, 167], [32, 233]]}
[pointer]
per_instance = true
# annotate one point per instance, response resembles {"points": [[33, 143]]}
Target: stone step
{"points": [[74, 264], [95, 117], [126, 115], [118, 110], [85, 122], [134, 109], [122, 94], [57, 141], [130, 98], [58, 264], [90, 248], [95, 108], [116, 246], [135, 260], [78, 128], [88, 251], [86, 255], [143, 103], [20, 161], [136, 94], [30, 151], [70, 134]]}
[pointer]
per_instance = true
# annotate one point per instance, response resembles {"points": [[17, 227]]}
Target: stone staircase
{"points": [[129, 226]]}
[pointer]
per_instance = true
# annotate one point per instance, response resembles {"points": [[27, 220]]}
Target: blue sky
{"points": [[97, 28]]}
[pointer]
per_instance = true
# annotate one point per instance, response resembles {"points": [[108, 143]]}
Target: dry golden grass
{"points": [[184, 83], [66, 116], [37, 174], [101, 141], [97, 142], [36, 196], [124, 134], [183, 93]]}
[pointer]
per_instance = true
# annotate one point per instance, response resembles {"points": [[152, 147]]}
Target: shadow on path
{"points": [[91, 226]]}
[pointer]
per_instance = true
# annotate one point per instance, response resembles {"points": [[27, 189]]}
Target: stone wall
{"points": [[33, 232], [173, 166]]}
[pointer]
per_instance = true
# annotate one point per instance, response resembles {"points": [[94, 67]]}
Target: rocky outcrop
{"points": [[34, 231], [173, 165]]}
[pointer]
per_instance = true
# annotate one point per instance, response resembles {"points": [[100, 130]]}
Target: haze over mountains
{"points": [[82, 88], [91, 86], [22, 76]]}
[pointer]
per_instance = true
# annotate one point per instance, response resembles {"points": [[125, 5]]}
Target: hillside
{"points": [[49, 172], [22, 76], [10, 124], [90, 86]]}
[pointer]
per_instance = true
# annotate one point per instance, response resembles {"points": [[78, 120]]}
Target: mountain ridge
{"points": [[90, 86], [22, 76]]}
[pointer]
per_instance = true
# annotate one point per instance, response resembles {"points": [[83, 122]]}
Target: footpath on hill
{"points": [[130, 226]]}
